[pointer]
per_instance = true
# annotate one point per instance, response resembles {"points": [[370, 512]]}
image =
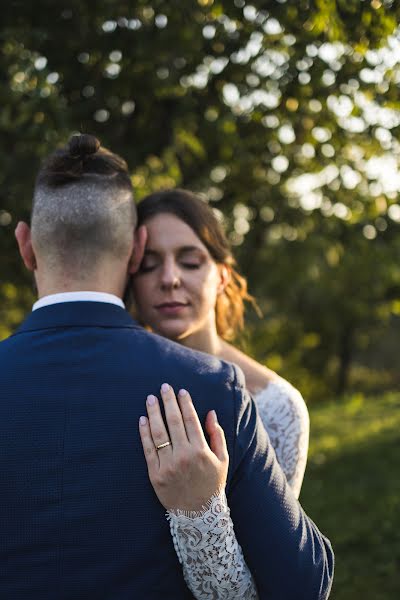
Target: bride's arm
{"points": [[283, 413], [285, 417], [189, 479], [211, 557]]}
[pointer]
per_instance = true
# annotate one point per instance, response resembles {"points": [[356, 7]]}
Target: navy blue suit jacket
{"points": [[79, 519]]}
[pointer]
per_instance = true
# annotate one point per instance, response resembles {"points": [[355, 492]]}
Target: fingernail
{"points": [[214, 416], [165, 387], [182, 393], [151, 400], [142, 421]]}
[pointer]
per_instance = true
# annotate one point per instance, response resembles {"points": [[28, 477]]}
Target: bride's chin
{"points": [[171, 331]]}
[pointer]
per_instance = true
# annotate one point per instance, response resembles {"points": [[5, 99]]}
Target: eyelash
{"points": [[190, 266]]}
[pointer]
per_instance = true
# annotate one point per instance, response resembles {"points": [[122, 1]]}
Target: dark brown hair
{"points": [[83, 157], [193, 211]]}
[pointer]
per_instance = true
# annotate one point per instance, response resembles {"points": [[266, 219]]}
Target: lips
{"points": [[171, 308]]}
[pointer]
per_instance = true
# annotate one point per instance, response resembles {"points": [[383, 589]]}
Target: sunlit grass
{"points": [[341, 426], [352, 490]]}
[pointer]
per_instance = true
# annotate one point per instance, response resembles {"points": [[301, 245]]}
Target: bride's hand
{"points": [[186, 472]]}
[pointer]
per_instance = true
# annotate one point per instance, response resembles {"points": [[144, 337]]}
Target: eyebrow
{"points": [[186, 249], [181, 250]]}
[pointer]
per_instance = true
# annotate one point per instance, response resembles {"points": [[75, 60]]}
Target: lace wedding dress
{"points": [[212, 560], [285, 417]]}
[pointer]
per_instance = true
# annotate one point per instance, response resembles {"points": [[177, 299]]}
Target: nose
{"points": [[170, 277]]}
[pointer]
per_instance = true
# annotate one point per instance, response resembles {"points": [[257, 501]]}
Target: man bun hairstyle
{"points": [[83, 158], [198, 215], [80, 146], [83, 208]]}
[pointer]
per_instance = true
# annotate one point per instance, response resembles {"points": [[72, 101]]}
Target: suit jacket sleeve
{"points": [[288, 556]]}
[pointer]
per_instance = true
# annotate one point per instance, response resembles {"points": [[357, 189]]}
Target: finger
{"points": [[149, 449], [191, 420], [174, 418], [158, 430], [217, 436]]}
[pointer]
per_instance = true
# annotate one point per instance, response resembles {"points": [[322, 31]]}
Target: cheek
{"points": [[208, 290], [141, 291]]}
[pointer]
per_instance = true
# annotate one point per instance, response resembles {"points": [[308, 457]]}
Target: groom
{"points": [[79, 519]]}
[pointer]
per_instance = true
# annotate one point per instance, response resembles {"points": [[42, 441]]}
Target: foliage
{"points": [[275, 111], [352, 492]]}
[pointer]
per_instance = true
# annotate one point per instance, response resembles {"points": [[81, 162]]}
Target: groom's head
{"points": [[83, 219]]}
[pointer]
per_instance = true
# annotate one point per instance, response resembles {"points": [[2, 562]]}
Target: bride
{"points": [[187, 289]]}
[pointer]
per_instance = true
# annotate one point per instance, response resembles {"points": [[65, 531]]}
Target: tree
{"points": [[278, 112]]}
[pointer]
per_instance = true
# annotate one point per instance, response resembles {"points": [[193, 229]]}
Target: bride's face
{"points": [[178, 282]]}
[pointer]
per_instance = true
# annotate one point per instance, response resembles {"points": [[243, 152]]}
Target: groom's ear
{"points": [[24, 240], [139, 244]]}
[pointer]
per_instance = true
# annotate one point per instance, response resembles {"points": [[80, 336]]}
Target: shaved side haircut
{"points": [[83, 209]]}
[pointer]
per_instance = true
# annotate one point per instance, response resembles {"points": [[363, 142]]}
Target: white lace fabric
{"points": [[212, 560], [285, 417]]}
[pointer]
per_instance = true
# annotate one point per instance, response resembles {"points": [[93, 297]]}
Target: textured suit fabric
{"points": [[79, 519]]}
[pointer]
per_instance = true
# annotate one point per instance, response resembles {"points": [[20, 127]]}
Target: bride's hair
{"points": [[193, 211]]}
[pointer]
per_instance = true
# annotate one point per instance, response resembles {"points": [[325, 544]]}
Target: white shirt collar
{"points": [[78, 297]]}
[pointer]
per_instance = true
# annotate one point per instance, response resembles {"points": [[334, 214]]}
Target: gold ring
{"points": [[164, 445]]}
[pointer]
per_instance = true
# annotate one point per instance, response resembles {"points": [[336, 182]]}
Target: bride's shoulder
{"points": [[265, 385], [257, 376], [282, 395]]}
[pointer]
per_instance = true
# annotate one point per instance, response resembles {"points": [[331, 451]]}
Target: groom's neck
{"points": [[110, 283], [78, 287]]}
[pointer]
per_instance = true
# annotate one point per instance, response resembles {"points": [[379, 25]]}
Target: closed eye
{"points": [[147, 267]]}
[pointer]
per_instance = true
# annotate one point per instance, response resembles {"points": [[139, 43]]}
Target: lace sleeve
{"points": [[212, 560], [285, 417]]}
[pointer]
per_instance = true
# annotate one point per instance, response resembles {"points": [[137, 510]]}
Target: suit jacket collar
{"points": [[78, 314]]}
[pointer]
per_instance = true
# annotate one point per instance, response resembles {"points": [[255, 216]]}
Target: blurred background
{"points": [[285, 116]]}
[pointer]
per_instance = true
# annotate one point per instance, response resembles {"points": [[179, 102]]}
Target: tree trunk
{"points": [[345, 357]]}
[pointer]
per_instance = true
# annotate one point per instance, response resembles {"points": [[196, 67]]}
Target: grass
{"points": [[352, 491]]}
